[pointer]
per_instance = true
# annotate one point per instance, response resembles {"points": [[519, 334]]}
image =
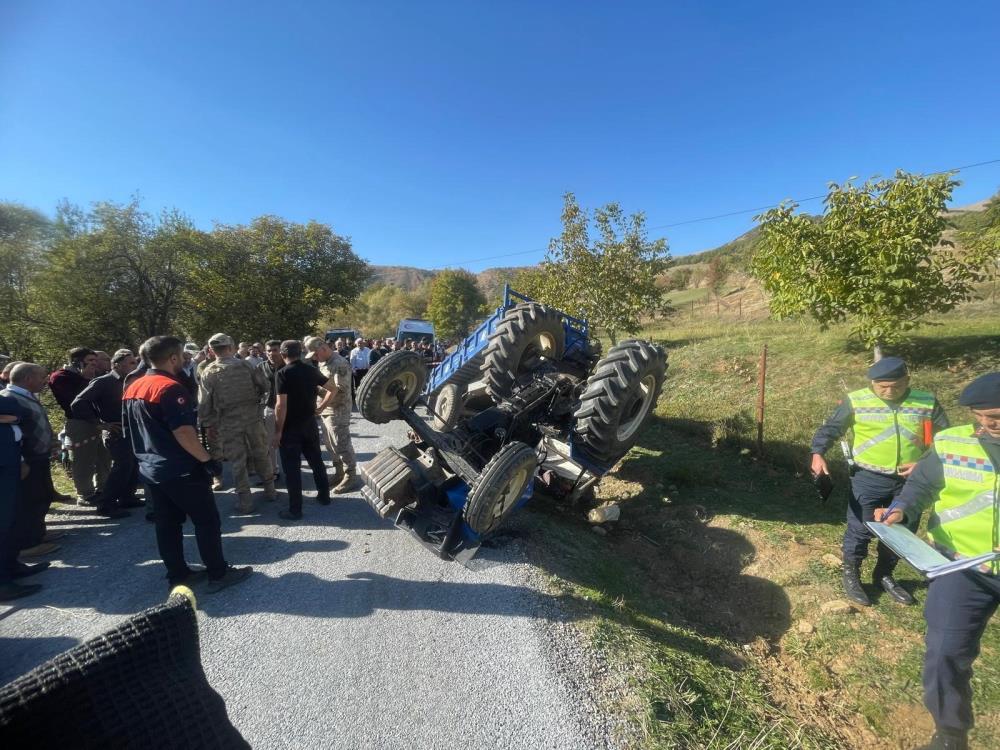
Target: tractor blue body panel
{"points": [[462, 365]]}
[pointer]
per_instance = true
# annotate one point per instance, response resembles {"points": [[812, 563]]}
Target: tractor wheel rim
{"points": [[405, 381], [510, 494], [637, 409], [542, 346]]}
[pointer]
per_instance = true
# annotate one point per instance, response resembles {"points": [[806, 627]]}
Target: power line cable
{"points": [[716, 216]]}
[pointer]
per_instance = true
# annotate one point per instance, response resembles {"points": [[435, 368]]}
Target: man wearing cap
{"points": [[893, 426], [959, 481], [335, 409], [232, 391]]}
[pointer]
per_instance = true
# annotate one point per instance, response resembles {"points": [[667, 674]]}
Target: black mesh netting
{"points": [[139, 685]]}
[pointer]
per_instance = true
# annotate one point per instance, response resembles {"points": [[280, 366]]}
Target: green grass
{"points": [[706, 596], [685, 297]]}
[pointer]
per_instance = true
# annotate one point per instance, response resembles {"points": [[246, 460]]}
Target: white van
{"points": [[416, 330]]}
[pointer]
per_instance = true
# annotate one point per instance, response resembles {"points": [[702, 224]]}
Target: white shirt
{"points": [[360, 358]]}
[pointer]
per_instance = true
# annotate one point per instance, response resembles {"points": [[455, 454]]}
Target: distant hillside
{"points": [[406, 277], [737, 250], [490, 280]]}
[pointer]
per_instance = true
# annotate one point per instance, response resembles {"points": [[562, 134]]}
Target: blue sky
{"points": [[434, 133]]}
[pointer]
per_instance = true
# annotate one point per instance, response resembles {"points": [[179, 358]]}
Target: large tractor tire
{"points": [[499, 486], [400, 373], [448, 407], [527, 335], [618, 399]]}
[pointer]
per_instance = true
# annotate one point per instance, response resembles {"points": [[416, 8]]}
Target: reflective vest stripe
{"points": [[964, 518], [886, 434], [976, 504]]}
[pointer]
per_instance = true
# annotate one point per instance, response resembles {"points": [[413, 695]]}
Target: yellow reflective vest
{"points": [[885, 438], [963, 522]]}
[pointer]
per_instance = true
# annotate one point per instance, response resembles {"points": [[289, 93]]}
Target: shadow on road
{"points": [[20, 655], [361, 594]]}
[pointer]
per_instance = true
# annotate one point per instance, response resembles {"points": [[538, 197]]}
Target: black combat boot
{"points": [[852, 585], [948, 739]]}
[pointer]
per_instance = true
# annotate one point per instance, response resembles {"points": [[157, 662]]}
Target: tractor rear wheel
{"points": [[526, 336], [618, 398], [499, 486], [448, 407], [398, 374]]}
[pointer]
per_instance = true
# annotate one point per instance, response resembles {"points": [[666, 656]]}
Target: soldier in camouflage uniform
{"points": [[231, 394], [335, 409]]}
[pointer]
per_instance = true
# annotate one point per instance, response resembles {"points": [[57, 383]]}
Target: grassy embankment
{"points": [[707, 596]]}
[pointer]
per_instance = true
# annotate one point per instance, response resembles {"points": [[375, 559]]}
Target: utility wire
{"points": [[716, 216]]}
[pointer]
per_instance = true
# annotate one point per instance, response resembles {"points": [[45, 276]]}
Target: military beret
{"points": [[887, 368], [983, 392], [220, 339]]}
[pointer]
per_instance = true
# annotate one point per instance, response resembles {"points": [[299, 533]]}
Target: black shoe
{"points": [[23, 570], [111, 513], [289, 516], [853, 588], [11, 591], [893, 589], [948, 739], [231, 578], [323, 500]]}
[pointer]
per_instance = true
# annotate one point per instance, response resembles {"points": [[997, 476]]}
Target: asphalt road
{"points": [[349, 633]]}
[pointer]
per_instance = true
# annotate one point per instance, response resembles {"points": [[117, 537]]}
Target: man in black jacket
{"points": [[100, 403]]}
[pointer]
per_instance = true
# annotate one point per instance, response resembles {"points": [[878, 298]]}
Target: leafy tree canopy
{"points": [[610, 281], [875, 257], [456, 303]]}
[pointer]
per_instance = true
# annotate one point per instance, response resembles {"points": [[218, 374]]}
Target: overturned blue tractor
{"points": [[526, 399]]}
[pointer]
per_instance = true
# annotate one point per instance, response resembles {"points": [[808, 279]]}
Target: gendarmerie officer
{"points": [[960, 483], [892, 425]]}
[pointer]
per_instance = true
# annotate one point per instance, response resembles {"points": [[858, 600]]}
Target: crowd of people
{"points": [[159, 423]]}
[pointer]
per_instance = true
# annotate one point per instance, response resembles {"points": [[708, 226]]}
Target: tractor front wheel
{"points": [[499, 486]]}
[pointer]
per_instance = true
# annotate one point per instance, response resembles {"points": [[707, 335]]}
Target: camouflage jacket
{"points": [[339, 369], [231, 392]]}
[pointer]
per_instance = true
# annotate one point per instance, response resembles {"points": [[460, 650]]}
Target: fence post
{"points": [[761, 380]]}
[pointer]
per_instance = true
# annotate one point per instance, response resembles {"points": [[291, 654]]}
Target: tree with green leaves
{"points": [[25, 235], [378, 310], [610, 281], [874, 257], [271, 278], [455, 304], [113, 276], [984, 245]]}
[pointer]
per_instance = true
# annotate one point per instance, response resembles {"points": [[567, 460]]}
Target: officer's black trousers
{"points": [[870, 491], [187, 497], [959, 606], [124, 476]]}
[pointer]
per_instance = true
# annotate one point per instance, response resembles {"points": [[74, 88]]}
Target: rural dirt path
{"points": [[349, 634]]}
